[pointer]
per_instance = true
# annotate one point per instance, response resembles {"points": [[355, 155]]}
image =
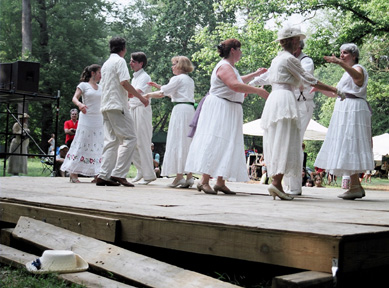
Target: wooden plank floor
{"points": [[307, 233]]}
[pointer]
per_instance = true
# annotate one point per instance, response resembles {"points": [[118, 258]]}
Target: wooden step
{"points": [[118, 261]]}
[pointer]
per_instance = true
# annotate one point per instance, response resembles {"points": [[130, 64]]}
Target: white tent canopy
{"points": [[380, 146], [315, 131]]}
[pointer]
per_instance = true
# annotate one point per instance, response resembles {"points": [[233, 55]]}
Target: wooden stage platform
{"points": [[316, 231]]}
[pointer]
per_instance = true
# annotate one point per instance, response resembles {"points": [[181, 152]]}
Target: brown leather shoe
{"points": [[102, 182], [122, 181]]}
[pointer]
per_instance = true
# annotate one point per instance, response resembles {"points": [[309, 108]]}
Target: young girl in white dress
{"points": [[84, 156]]}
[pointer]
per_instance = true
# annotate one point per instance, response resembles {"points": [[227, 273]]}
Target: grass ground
{"points": [[35, 168], [20, 278]]}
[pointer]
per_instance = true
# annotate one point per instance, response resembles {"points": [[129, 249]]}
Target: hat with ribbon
{"points": [[289, 32], [57, 261]]}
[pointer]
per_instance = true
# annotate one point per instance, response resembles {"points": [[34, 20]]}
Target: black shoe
{"points": [[122, 181], [102, 182]]}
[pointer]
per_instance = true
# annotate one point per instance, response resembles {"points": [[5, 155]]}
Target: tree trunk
{"points": [[26, 29], [47, 115], [26, 41]]}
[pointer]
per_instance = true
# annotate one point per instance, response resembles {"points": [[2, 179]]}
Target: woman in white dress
{"points": [[347, 148], [280, 117], [19, 144], [181, 91], [217, 148], [84, 156]]}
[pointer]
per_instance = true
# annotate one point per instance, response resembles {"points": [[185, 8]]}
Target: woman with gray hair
{"points": [[347, 148], [281, 118]]}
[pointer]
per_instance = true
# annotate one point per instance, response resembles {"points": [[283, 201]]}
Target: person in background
{"points": [[51, 141], [142, 117], [181, 91], [156, 158], [59, 159], [19, 145], [318, 181], [310, 183], [368, 176], [318, 172], [70, 127], [347, 148], [119, 130], [305, 105], [217, 149], [84, 156]]}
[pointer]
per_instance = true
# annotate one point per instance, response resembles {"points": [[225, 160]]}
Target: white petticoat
{"points": [[281, 140], [347, 147], [177, 142], [84, 155], [217, 148]]}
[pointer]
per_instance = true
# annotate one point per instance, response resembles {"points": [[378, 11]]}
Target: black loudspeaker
{"points": [[5, 75], [25, 76]]}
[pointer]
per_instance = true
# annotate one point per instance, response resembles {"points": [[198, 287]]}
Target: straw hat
{"points": [[25, 115], [59, 261], [289, 32]]}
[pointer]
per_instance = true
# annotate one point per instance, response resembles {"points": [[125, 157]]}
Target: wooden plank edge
{"points": [[311, 279], [103, 228], [16, 258]]}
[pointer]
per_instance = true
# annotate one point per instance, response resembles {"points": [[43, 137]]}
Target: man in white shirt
{"points": [[142, 116], [119, 130], [305, 105]]}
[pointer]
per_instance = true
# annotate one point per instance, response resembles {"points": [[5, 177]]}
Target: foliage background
{"points": [[71, 34]]}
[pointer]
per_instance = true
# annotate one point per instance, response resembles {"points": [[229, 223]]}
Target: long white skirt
{"points": [[347, 148], [281, 140], [18, 164], [217, 148], [177, 142], [84, 156]]}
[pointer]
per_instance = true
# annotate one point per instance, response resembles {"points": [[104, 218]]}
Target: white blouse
{"points": [[180, 88], [284, 69], [347, 85]]}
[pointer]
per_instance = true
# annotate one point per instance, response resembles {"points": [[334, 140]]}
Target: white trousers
{"points": [[143, 156], [306, 111], [119, 144]]}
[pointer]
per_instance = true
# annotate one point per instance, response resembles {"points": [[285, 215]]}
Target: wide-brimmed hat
{"points": [[24, 115], [58, 261], [289, 32]]}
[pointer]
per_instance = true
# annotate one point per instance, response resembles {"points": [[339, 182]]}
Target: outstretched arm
{"points": [[355, 73], [227, 75]]}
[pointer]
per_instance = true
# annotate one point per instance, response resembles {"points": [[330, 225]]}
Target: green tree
{"points": [[163, 29], [67, 36]]}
